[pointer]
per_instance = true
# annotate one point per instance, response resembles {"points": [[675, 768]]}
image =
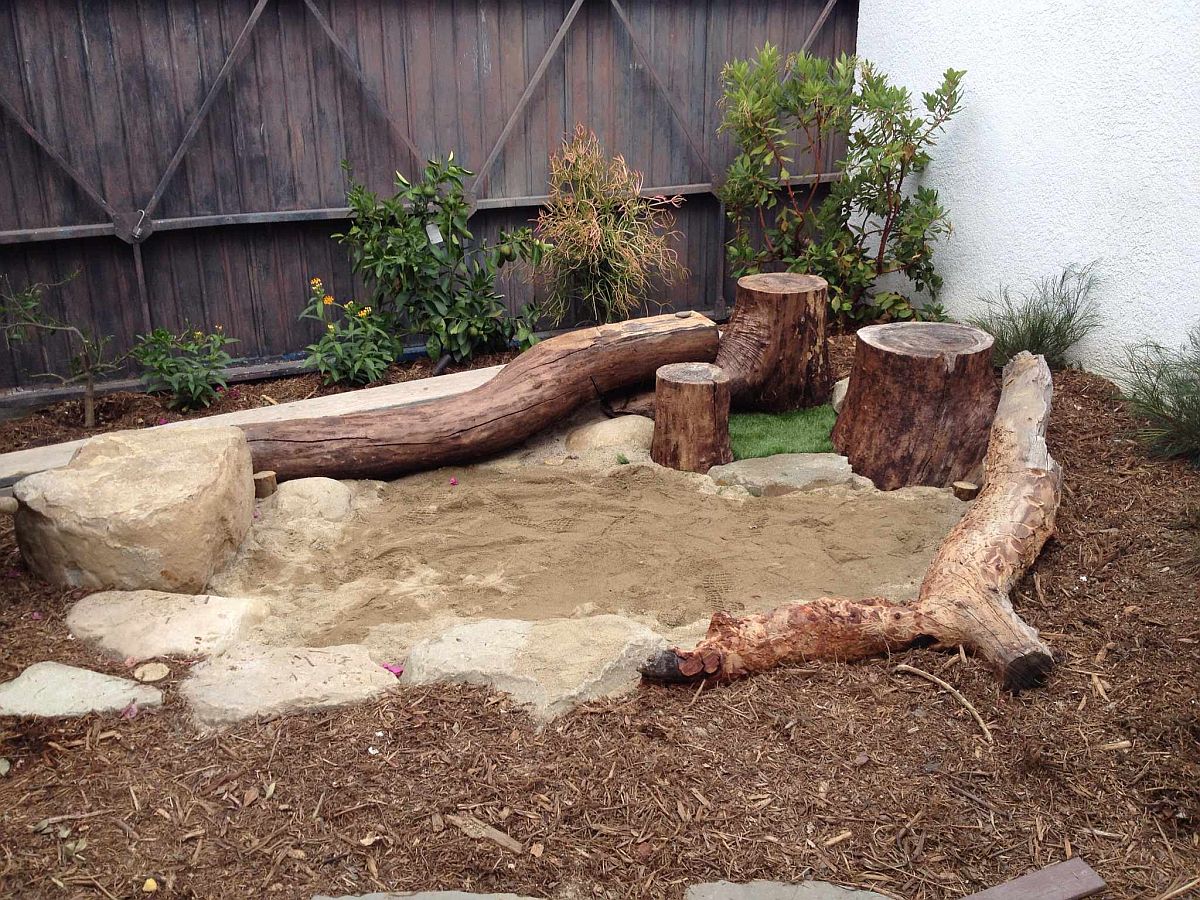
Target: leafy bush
{"points": [[606, 241], [764, 434], [1050, 319], [870, 224], [91, 355], [1162, 386], [189, 365], [415, 253], [355, 347]]}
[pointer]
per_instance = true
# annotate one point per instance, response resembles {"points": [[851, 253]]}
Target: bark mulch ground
{"points": [[853, 774]]}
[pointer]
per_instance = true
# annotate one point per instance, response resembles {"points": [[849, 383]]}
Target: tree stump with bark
{"points": [[921, 399], [964, 597], [535, 390], [775, 348], [691, 417]]}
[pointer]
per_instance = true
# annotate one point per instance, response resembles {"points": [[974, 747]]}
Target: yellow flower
{"points": [[198, 334], [327, 300], [329, 327], [315, 282], [367, 309], [362, 313]]}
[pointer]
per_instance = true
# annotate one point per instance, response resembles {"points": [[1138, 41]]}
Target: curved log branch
{"points": [[535, 390], [964, 598]]}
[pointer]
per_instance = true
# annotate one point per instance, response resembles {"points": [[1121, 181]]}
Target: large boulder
{"points": [[630, 433], [159, 509], [143, 624], [52, 689], [311, 498]]}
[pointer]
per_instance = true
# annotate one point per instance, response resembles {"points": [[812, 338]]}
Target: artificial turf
{"points": [[764, 434]]}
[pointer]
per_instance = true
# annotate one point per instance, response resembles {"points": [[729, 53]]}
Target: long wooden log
{"points": [[536, 389], [964, 598]]}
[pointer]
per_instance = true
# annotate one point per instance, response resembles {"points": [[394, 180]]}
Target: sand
{"points": [[533, 542]]}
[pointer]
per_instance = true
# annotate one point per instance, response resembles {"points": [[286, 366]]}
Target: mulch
{"points": [[854, 774]]}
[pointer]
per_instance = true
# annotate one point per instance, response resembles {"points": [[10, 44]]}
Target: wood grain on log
{"points": [[691, 417], [536, 389], [964, 598], [774, 347], [919, 404]]}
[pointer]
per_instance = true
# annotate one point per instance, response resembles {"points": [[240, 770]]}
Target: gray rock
{"points": [[312, 498], [838, 397], [250, 680], [770, 476], [775, 890], [632, 433], [52, 689], [551, 666], [144, 624], [160, 509]]}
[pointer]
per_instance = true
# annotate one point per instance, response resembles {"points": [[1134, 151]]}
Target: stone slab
{"points": [[250, 680], [550, 666], [143, 624], [776, 890], [771, 476], [50, 689]]}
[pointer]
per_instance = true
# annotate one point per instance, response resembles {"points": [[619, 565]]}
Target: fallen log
{"points": [[964, 598], [538, 388]]}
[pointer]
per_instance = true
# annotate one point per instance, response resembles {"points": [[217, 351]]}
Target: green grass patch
{"points": [[763, 434]]}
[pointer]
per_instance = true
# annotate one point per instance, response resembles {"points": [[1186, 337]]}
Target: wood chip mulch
{"points": [[854, 774]]}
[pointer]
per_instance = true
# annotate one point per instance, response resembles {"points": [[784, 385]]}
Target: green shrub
{"points": [[189, 365], [1162, 386], [355, 347], [1049, 319], [765, 434], [607, 243], [871, 223], [426, 277], [22, 316]]}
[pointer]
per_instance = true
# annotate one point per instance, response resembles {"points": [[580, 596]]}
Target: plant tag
{"points": [[434, 233]]}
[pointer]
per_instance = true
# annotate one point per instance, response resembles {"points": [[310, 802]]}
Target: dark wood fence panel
{"points": [[184, 156]]}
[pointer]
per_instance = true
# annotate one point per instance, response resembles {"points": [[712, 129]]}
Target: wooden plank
{"points": [[1070, 880]]}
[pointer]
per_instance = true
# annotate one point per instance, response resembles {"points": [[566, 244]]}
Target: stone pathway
{"points": [[51, 689]]}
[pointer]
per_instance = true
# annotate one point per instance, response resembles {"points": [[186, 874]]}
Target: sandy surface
{"points": [[413, 557]]}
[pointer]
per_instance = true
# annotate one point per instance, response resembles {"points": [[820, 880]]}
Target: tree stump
{"points": [[920, 404], [774, 348], [691, 417]]}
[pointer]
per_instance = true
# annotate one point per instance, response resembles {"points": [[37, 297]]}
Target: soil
{"points": [[126, 409], [539, 543], [854, 774]]}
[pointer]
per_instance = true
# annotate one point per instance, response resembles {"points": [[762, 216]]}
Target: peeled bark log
{"points": [[920, 400], [691, 417], [964, 598], [775, 348], [535, 390]]}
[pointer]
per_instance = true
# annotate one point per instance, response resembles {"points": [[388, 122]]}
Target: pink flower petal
{"points": [[453, 482], [130, 712], [36, 616], [395, 668]]}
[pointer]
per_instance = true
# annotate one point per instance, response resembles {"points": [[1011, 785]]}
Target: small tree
{"points": [[870, 224], [91, 356]]}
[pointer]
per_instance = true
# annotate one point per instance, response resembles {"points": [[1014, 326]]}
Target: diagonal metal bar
{"points": [[818, 25], [526, 95], [235, 53], [61, 161], [370, 93], [662, 89]]}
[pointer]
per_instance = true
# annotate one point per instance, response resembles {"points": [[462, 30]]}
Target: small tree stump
{"points": [[920, 404], [774, 348], [265, 484], [691, 417]]}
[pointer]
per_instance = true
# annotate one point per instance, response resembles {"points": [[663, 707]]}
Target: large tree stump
{"points": [[536, 389], [691, 417], [921, 399], [964, 597], [774, 347]]}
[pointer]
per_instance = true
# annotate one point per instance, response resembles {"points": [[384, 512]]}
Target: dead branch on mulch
{"points": [[847, 773]]}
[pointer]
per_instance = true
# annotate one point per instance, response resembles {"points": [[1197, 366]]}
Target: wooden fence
{"points": [[183, 156]]}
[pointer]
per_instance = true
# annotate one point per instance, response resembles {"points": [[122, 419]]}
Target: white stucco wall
{"points": [[1079, 140]]}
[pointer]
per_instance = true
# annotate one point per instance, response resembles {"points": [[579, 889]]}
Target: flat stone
{"points": [[550, 666], [250, 680], [620, 433], [145, 624], [151, 671], [838, 395], [427, 895], [155, 509], [775, 890], [50, 689], [770, 476], [312, 498]]}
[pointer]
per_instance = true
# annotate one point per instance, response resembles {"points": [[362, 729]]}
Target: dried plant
{"points": [[608, 242]]}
